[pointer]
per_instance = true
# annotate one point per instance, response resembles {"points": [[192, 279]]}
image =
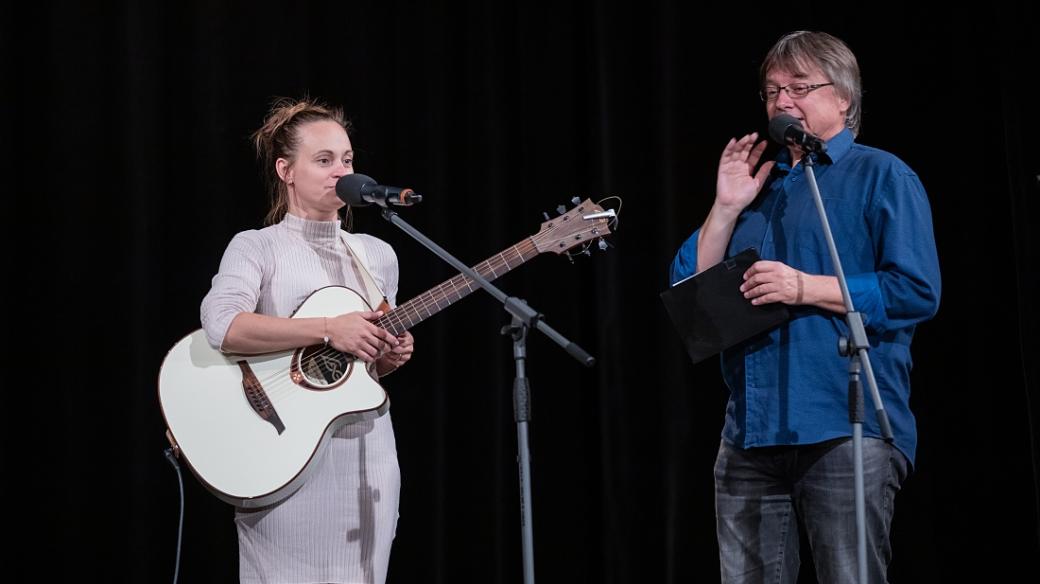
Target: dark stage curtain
{"points": [[128, 169]]}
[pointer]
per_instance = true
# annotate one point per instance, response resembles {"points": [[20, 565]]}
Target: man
{"points": [[785, 461]]}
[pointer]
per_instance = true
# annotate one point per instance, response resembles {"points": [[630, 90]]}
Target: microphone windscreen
{"points": [[348, 188], [778, 127]]}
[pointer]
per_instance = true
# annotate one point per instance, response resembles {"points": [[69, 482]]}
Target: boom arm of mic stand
{"points": [[513, 305]]}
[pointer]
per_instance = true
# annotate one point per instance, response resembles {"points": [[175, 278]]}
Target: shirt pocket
{"points": [[848, 228]]}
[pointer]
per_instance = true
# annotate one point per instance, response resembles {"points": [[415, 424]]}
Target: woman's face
{"points": [[324, 156]]}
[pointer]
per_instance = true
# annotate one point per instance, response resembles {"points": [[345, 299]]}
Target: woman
{"points": [[339, 526]]}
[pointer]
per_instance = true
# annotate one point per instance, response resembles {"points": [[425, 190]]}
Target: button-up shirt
{"points": [[789, 385]]}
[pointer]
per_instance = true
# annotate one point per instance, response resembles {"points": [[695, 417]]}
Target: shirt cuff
{"points": [[865, 291]]}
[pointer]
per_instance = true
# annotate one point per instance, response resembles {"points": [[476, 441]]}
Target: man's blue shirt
{"points": [[790, 385]]}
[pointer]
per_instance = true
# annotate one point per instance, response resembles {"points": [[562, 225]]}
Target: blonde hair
{"points": [[279, 138], [802, 50]]}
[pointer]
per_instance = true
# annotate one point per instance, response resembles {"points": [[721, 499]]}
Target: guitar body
{"points": [[249, 426]]}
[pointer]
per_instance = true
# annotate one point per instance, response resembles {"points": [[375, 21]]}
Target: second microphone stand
{"points": [[855, 347]]}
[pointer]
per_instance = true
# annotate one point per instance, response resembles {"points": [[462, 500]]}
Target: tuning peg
{"points": [[575, 200], [603, 245], [587, 251], [561, 209], [546, 215]]}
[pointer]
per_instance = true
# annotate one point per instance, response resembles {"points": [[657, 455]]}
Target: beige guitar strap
{"points": [[373, 294], [376, 300]]}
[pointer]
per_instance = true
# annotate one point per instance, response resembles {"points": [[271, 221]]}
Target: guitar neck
{"points": [[429, 303]]}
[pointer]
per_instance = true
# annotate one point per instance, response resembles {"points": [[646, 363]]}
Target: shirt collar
{"points": [[314, 231], [837, 148]]}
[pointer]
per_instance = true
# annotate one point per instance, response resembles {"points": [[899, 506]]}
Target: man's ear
{"points": [[844, 104]]}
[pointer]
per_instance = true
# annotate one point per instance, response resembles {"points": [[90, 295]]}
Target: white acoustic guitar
{"points": [[249, 425]]}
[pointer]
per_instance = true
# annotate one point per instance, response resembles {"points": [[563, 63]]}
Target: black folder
{"points": [[710, 312]]}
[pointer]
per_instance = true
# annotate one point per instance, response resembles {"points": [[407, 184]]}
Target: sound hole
{"points": [[321, 367]]}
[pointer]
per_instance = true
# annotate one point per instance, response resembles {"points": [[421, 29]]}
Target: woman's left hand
{"points": [[398, 355]]}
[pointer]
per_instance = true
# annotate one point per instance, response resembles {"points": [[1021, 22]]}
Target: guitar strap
{"points": [[373, 294]]}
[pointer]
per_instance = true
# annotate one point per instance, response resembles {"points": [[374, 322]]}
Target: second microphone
{"points": [[358, 190]]}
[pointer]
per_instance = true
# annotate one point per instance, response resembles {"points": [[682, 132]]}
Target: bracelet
{"points": [[326, 337]]}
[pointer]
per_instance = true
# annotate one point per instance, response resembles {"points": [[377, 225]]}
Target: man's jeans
{"points": [[764, 496]]}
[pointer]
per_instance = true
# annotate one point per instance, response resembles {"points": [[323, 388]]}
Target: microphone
{"points": [[358, 190], [786, 129]]}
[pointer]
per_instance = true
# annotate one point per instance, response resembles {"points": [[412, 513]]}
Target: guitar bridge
{"points": [[257, 397]]}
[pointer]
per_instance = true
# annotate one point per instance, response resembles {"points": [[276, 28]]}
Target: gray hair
{"points": [[803, 50]]}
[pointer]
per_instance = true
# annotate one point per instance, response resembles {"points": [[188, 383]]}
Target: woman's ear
{"points": [[285, 170]]}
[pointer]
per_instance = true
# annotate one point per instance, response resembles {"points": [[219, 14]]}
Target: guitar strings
{"points": [[278, 385]]}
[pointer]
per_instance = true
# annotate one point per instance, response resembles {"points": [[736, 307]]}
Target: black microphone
{"points": [[786, 129], [358, 190]]}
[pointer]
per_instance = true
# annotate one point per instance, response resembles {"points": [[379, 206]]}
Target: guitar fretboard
{"points": [[429, 303]]}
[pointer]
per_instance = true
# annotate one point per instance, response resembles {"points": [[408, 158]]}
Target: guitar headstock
{"points": [[580, 226]]}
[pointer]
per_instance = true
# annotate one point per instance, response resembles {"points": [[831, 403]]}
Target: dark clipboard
{"points": [[710, 312]]}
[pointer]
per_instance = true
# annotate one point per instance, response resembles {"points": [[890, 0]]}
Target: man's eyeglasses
{"points": [[795, 90]]}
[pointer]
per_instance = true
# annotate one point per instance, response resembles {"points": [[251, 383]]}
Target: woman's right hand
{"points": [[738, 184], [354, 333]]}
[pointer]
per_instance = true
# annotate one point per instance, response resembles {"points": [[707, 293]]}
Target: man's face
{"points": [[821, 110]]}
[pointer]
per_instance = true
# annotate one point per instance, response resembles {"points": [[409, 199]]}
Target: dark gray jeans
{"points": [[764, 496]]}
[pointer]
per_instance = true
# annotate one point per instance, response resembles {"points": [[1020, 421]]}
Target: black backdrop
{"points": [[128, 169]]}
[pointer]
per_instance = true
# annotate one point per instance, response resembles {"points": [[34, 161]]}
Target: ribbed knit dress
{"points": [[339, 526]]}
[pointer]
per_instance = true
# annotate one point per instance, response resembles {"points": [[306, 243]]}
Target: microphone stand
{"points": [[523, 318], [855, 347]]}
